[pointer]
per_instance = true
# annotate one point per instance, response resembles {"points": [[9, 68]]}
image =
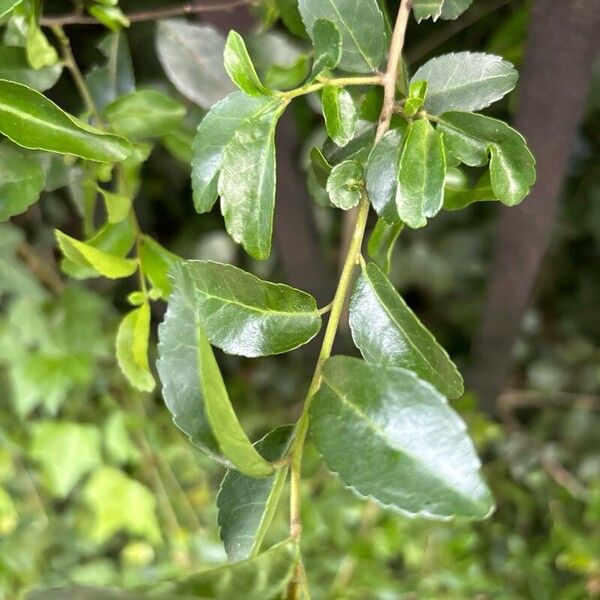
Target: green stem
{"points": [[340, 81]]}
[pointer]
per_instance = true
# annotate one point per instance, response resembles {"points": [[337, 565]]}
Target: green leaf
{"points": [[357, 149], [40, 53], [21, 181], [452, 9], [247, 505], [9, 517], [247, 182], [465, 81], [445, 9], [327, 43], [66, 452], [421, 171], [290, 15], [214, 132], [192, 57], [364, 38], [247, 316], [417, 92], [388, 333], [471, 137], [457, 198], [143, 114], [193, 387], [382, 242], [86, 255], [156, 262], [14, 66], [320, 167], [117, 441], [7, 5], [31, 120], [392, 437], [111, 17], [119, 503], [118, 206], [382, 175], [264, 577], [340, 114], [240, 68], [115, 77], [132, 348], [345, 184]]}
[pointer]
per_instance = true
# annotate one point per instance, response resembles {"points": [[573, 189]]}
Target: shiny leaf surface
{"points": [[339, 113], [327, 43], [345, 184], [239, 67]]}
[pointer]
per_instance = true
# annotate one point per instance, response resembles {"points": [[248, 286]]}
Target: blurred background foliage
{"points": [[97, 485]]}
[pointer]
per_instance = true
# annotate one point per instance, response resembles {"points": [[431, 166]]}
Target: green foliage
{"points": [[339, 113], [345, 184], [239, 67]]}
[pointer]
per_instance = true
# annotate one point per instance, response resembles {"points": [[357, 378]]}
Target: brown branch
{"points": [[187, 8], [46, 275]]}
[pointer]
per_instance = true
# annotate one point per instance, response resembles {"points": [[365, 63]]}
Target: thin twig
{"points": [[46, 275], [187, 8]]}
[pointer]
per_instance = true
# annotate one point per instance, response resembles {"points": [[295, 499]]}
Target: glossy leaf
{"points": [[21, 181], [192, 57], [382, 175], [239, 67], [86, 255], [247, 316], [345, 184], [471, 137], [387, 332], [193, 387], [132, 348], [465, 81], [457, 198], [421, 171], [214, 132], [357, 149], [14, 66], [156, 262], [247, 505], [144, 113], [392, 437], [31, 120], [112, 17], [382, 242], [247, 182], [327, 43], [362, 29], [320, 166], [7, 5], [340, 114], [445, 9], [416, 96]]}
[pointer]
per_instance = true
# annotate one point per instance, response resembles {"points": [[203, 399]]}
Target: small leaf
{"points": [[31, 120], [156, 262], [340, 114], [111, 17], [387, 332], [14, 66], [445, 9], [66, 452], [21, 181], [247, 316], [247, 505], [416, 96], [421, 172], [144, 113], [117, 205], [470, 137], [382, 242], [452, 9], [193, 387], [192, 57], [85, 255], [247, 182], [240, 68], [132, 348], [320, 167], [214, 132], [327, 43], [345, 184], [364, 38], [40, 52], [357, 149], [465, 81], [392, 437], [457, 198]]}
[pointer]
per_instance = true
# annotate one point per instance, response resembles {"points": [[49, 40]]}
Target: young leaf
{"points": [[21, 181], [117, 205], [470, 137], [31, 120], [363, 32], [417, 92], [193, 387], [247, 182], [112, 17], [421, 171], [382, 175], [382, 242], [340, 114], [132, 348], [345, 184], [156, 262], [247, 316], [85, 255], [387, 332], [192, 57], [465, 81], [14, 66], [320, 167], [392, 437], [239, 67], [214, 132], [327, 43], [457, 198], [144, 113], [247, 505]]}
